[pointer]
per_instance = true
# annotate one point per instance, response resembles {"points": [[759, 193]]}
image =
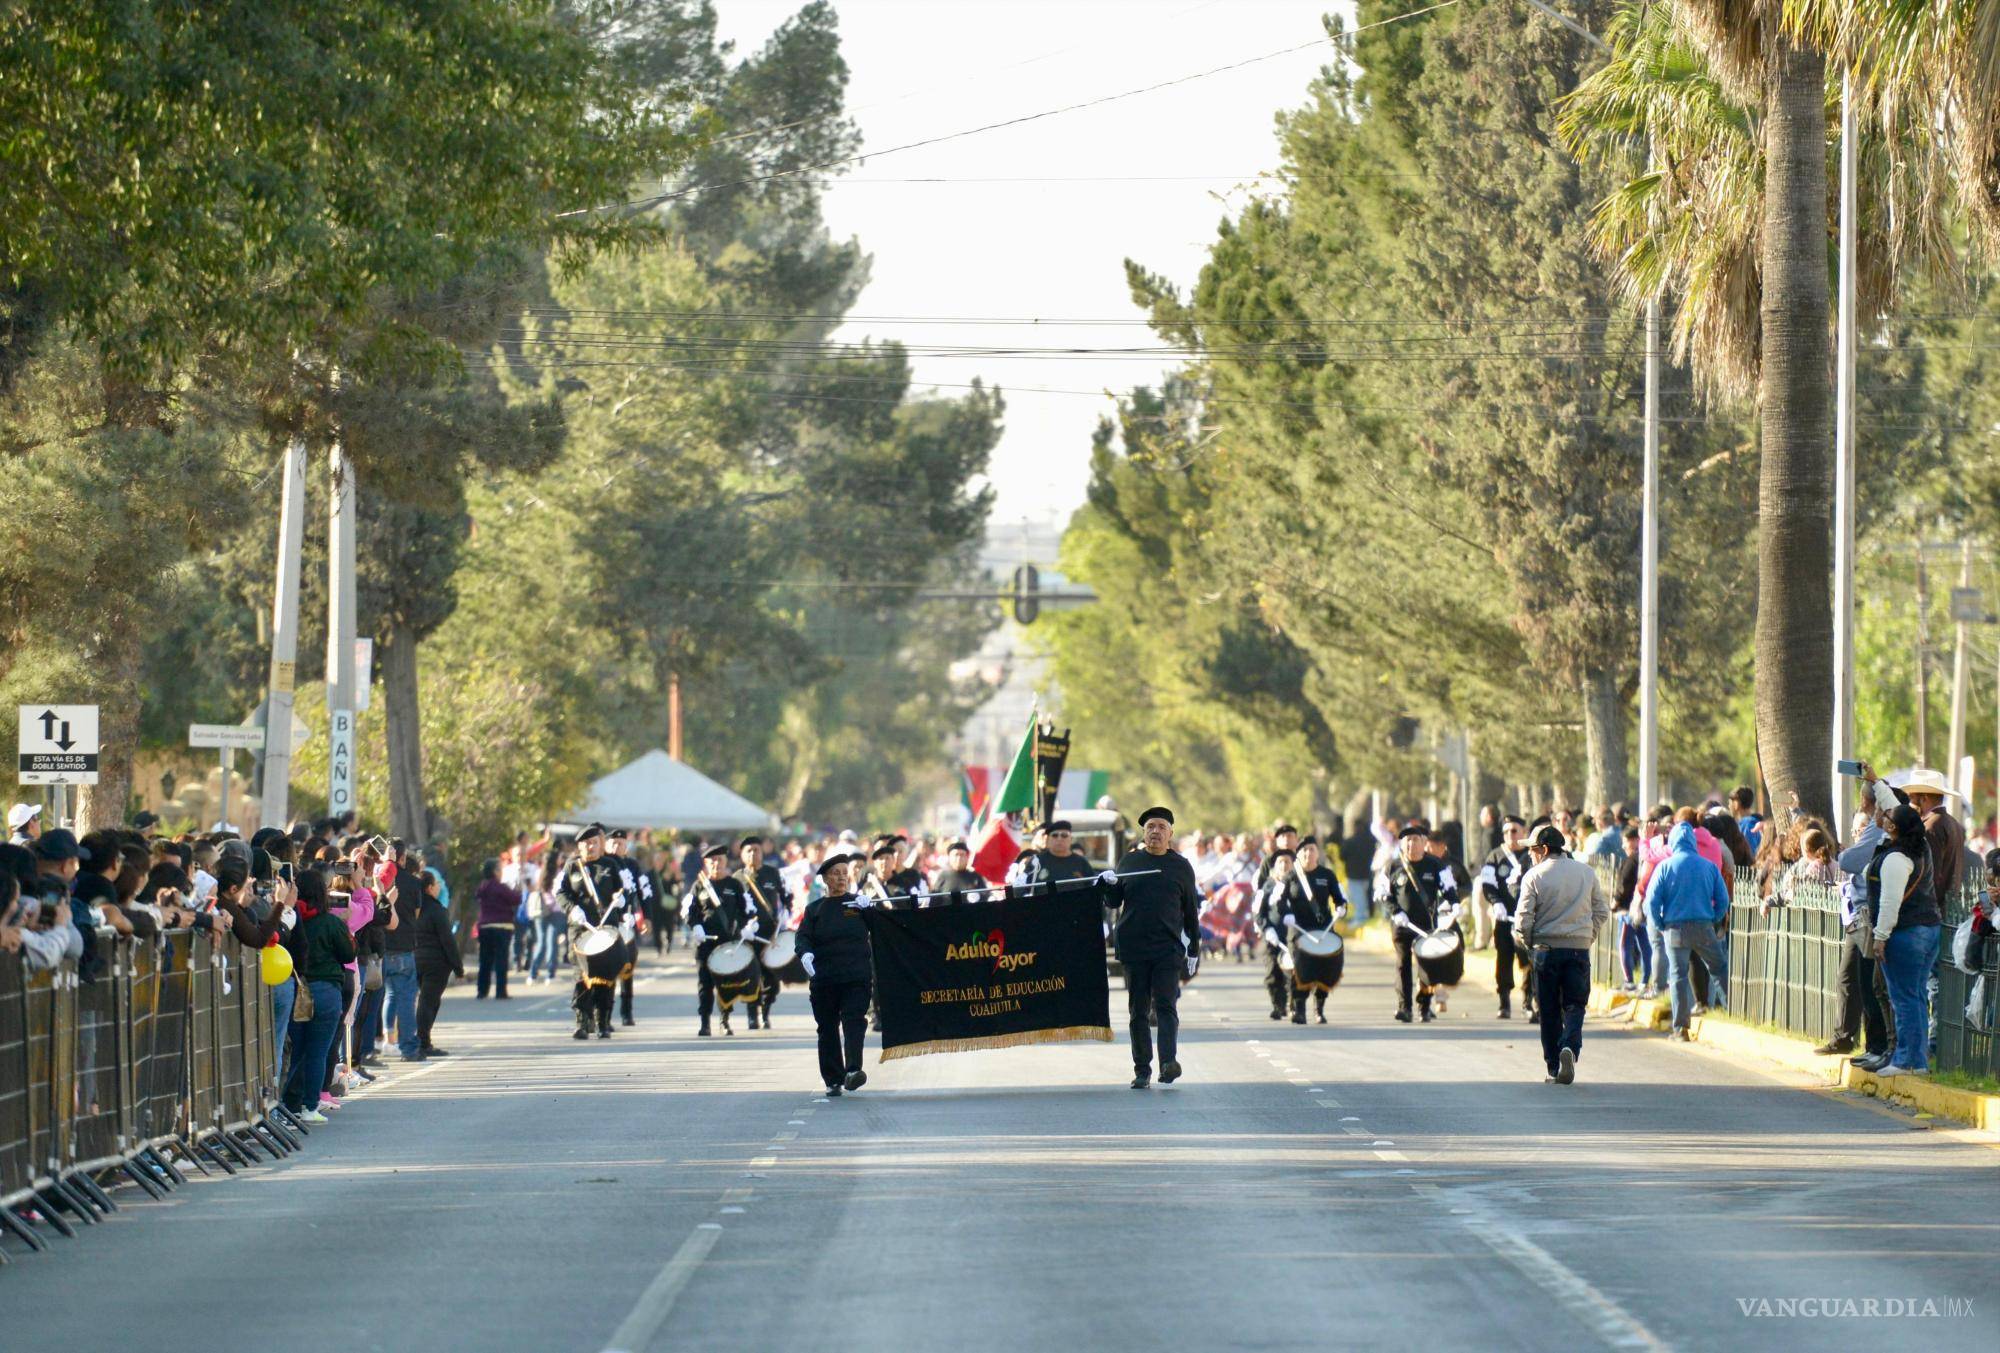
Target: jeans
{"points": [[1662, 977], [283, 998], [1907, 963], [493, 946], [1562, 981], [840, 1010], [549, 931], [399, 981], [1684, 943], [1635, 950], [1153, 986], [311, 1042]]}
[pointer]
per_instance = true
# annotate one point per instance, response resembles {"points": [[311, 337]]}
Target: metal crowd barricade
{"points": [[20, 1168], [100, 1111], [1604, 970], [232, 1083], [162, 1074], [204, 1088], [1965, 1040]]}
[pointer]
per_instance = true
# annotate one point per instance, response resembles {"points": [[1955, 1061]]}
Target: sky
{"points": [[1047, 250]]}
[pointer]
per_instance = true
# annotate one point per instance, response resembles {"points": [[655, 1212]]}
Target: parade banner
{"points": [[991, 974]]}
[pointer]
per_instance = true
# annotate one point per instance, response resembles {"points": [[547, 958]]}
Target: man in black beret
{"points": [[766, 887], [717, 910], [1056, 862], [1158, 938], [958, 878], [1418, 891], [592, 892]]}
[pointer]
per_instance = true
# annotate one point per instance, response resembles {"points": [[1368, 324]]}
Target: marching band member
{"points": [[1417, 889], [898, 875], [766, 887], [718, 909], [1319, 905], [833, 946], [1499, 885], [1277, 914], [638, 888], [592, 890], [958, 881], [1058, 861], [1158, 937]]}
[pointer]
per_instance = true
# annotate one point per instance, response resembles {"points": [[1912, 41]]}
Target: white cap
{"points": [[21, 814]]}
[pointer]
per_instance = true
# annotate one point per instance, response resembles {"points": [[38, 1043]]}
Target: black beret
{"points": [[957, 845], [1061, 824], [716, 853], [841, 860], [1414, 829], [1154, 812], [887, 848], [1305, 841], [750, 841], [594, 829], [618, 834], [1284, 827]]}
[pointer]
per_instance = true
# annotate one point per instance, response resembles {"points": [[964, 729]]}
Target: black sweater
{"points": [[1159, 914], [837, 938], [436, 947]]}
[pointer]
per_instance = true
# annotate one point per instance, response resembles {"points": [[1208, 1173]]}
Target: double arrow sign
{"points": [[58, 745]]}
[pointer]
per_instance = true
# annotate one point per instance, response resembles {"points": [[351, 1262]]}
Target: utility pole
{"points": [[340, 633], [277, 786], [1923, 659], [1843, 472], [1961, 672]]}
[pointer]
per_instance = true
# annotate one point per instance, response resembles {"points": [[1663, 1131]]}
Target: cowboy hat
{"points": [[1923, 780]]}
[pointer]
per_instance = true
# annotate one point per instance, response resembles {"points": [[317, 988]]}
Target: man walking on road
{"points": [[1158, 938], [1562, 911]]}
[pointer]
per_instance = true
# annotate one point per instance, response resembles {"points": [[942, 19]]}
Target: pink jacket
{"points": [[360, 911], [1654, 852]]}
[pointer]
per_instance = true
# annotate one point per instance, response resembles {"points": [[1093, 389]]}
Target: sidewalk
{"points": [[1970, 1107]]}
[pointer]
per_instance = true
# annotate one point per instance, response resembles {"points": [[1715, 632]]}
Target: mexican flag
{"points": [[1017, 791], [994, 849], [1082, 788]]}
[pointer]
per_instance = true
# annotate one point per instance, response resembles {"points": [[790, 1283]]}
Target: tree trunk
{"points": [[409, 818], [1794, 636], [115, 655], [1603, 741]]}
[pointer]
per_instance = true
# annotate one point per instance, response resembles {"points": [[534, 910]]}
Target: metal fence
{"points": [[170, 1051], [1784, 969]]}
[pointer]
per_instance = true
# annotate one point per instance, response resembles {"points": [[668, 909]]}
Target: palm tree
{"points": [[1755, 63]]}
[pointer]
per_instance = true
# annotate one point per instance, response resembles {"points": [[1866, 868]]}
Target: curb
{"points": [[1970, 1107]]}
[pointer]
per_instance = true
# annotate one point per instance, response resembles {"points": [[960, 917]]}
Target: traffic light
{"points": [[1027, 594]]}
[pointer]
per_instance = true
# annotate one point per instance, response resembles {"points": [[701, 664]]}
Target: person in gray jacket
{"points": [[1560, 913]]}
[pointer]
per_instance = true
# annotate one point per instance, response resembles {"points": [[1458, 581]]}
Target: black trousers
{"points": [[494, 946], [1405, 979], [1563, 975], [1276, 980], [1153, 987], [625, 978], [1861, 1009], [592, 1003], [840, 1009], [1506, 954], [1299, 1000], [430, 995]]}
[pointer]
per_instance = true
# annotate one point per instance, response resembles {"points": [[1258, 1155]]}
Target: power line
{"points": [[640, 204]]}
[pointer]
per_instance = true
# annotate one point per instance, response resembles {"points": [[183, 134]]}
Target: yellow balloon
{"points": [[275, 961]]}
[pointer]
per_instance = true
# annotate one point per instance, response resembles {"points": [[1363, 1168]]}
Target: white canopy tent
{"points": [[658, 791]]}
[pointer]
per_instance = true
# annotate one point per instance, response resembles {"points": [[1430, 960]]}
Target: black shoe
{"points": [[1169, 1072], [580, 1034], [833, 1092], [604, 1033], [702, 1032], [416, 1056], [367, 1076], [1298, 1017], [502, 996], [1141, 1080], [1429, 1016], [855, 1080], [627, 1021], [1565, 1067], [1835, 1047], [1322, 1016], [1277, 1014], [436, 1052], [1402, 1017]]}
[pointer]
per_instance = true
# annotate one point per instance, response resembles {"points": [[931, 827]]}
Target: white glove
{"points": [[1108, 876], [806, 962], [627, 931], [698, 935], [1107, 930], [1290, 919], [1407, 924], [750, 928], [1271, 936], [861, 902], [1193, 962]]}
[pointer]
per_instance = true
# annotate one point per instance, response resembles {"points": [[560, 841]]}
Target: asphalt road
{"points": [[1364, 1184]]}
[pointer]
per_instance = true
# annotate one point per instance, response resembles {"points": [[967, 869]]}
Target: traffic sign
{"points": [[301, 734], [58, 745], [224, 735]]}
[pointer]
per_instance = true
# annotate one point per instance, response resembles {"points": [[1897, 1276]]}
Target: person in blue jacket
{"points": [[1686, 901]]}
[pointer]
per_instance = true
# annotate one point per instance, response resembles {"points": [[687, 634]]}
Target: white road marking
{"points": [[656, 1303]]}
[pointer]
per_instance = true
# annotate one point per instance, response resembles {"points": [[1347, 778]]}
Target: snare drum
{"points": [[1442, 958], [600, 953], [1317, 960], [781, 958], [737, 975]]}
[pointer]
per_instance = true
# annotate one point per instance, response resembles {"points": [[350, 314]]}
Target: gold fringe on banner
{"points": [[1076, 1033]]}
